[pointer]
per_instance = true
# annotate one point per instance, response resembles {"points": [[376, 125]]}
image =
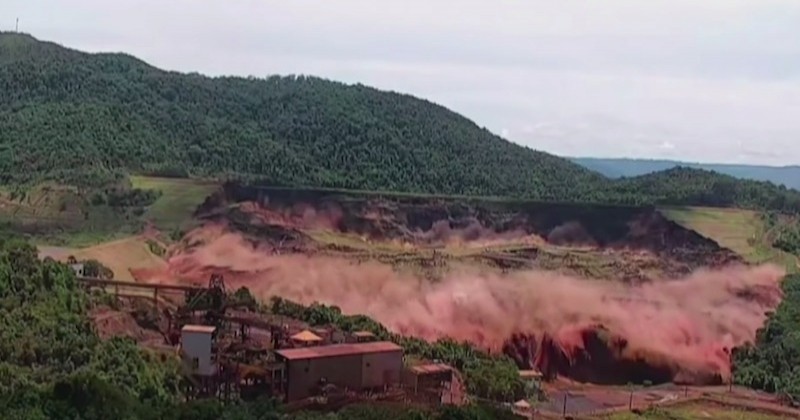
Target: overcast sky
{"points": [[700, 80]]}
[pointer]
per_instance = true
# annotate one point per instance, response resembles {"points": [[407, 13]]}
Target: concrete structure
{"points": [[197, 349], [363, 336], [429, 383], [78, 268], [354, 367]]}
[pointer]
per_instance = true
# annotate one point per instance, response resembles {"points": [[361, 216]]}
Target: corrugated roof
{"points": [[306, 336], [335, 350], [431, 368], [208, 329]]}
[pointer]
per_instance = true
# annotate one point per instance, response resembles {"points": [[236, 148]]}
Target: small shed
{"points": [[429, 381], [363, 336], [196, 348]]}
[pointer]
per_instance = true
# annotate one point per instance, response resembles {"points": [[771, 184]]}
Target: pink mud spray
{"points": [[690, 322]]}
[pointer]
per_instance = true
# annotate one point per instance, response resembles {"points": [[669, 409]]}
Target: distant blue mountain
{"points": [[624, 167]]}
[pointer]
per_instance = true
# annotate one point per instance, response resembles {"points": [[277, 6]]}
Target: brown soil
{"points": [[128, 319]]}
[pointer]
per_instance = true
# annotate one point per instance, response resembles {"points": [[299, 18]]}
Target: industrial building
{"points": [[196, 348], [354, 367], [430, 383], [229, 352]]}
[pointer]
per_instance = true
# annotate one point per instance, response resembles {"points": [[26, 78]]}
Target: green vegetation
{"points": [[736, 230], [63, 113], [53, 365], [87, 119], [697, 187], [785, 232], [748, 233], [615, 168], [177, 201], [488, 376], [773, 363], [156, 248], [72, 215]]}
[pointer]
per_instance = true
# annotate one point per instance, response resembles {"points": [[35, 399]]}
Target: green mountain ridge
{"points": [[630, 167], [64, 111], [85, 119]]}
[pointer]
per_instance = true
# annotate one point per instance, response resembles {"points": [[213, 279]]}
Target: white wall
{"points": [[196, 344]]}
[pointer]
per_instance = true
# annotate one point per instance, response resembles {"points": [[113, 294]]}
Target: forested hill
{"points": [[623, 167], [65, 113], [86, 119], [690, 186]]}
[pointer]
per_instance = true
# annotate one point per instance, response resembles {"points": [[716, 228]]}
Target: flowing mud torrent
{"points": [[592, 330], [679, 325]]}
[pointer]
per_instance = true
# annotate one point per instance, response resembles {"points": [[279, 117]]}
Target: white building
{"points": [[78, 269], [196, 348]]}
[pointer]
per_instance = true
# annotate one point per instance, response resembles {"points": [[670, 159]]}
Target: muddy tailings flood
{"points": [[592, 330]]}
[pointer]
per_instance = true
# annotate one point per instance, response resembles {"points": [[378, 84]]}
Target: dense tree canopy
{"points": [[773, 363], [52, 364], [81, 118], [63, 112], [687, 186]]}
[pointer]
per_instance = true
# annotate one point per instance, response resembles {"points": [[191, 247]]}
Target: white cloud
{"points": [[719, 80]]}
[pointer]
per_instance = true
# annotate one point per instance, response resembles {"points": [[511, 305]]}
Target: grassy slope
{"points": [[120, 255], [179, 199], [742, 231], [59, 215]]}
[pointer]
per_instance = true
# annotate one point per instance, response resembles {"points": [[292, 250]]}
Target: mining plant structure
{"points": [[231, 352]]}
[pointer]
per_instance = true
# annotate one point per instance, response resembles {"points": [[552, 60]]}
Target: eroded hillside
{"points": [[623, 243]]}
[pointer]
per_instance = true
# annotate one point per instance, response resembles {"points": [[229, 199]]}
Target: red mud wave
{"points": [[678, 329]]}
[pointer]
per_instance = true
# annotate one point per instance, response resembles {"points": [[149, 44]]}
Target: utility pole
{"points": [[16, 27]]}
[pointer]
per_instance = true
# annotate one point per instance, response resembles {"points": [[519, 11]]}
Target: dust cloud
{"points": [[383, 224], [299, 215], [691, 322], [473, 234]]}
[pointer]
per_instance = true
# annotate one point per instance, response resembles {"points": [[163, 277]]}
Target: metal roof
{"points": [[207, 329], [306, 336], [431, 368], [335, 350]]}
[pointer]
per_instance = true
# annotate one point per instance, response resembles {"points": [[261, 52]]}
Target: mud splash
{"points": [[597, 331]]}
